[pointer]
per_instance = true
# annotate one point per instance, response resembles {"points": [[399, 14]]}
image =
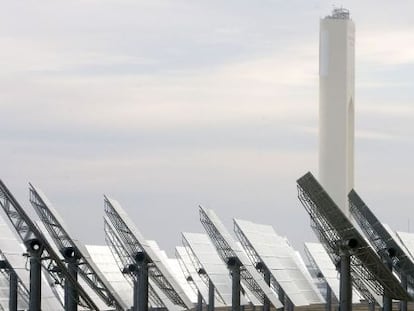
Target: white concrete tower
{"points": [[336, 105]]}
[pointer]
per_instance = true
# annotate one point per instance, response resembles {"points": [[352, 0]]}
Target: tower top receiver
{"points": [[339, 13]]}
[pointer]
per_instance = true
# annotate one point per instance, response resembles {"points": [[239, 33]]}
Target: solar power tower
{"points": [[128, 266], [147, 261], [237, 261], [272, 255], [210, 268], [40, 252], [75, 254], [357, 261], [388, 248], [194, 279]]}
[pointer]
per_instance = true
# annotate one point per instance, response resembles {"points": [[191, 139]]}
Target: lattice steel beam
{"points": [[23, 291], [226, 251], [334, 229], [127, 234], [200, 269], [125, 260], [86, 268], [380, 238], [254, 257], [27, 231]]}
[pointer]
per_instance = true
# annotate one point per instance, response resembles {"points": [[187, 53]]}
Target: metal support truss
{"points": [[127, 266], [71, 294], [321, 278], [345, 282], [257, 262], [382, 241], [328, 306], [187, 273], [86, 268], [13, 285], [27, 232], [267, 276], [211, 292], [199, 301], [200, 270], [225, 251], [334, 230], [143, 262], [234, 264], [8, 273], [133, 246], [35, 249]]}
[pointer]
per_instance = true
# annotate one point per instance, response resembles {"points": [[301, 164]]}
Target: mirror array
{"points": [[43, 266]]}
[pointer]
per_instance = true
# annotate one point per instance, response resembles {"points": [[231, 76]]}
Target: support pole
{"points": [[281, 296], [234, 264], [290, 305], [211, 290], [345, 287], [12, 290], [403, 303], [71, 293], [386, 299], [132, 271], [266, 301], [199, 301], [142, 265], [136, 290], [386, 303], [328, 298], [35, 249]]}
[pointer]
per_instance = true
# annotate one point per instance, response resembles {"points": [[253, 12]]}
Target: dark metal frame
{"points": [[63, 240], [334, 229], [28, 231], [200, 269], [382, 241], [22, 290], [225, 251], [125, 260], [380, 238], [133, 246], [254, 257]]}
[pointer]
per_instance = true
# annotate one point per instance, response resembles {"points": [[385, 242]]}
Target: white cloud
{"points": [[386, 47]]}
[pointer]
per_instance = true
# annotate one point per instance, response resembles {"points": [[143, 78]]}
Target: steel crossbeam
{"points": [[28, 231], [60, 235], [380, 238], [334, 229], [129, 236]]}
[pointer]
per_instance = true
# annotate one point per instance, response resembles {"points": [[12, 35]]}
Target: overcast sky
{"points": [[165, 105]]}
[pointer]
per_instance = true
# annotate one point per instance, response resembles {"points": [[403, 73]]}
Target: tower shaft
{"points": [[336, 106]]}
